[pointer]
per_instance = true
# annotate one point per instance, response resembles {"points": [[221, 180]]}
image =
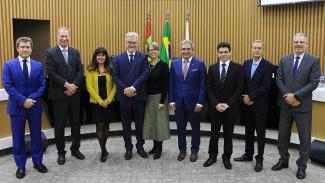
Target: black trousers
{"points": [[226, 120], [61, 110], [255, 122]]}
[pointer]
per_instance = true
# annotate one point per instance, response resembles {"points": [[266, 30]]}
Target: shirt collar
{"points": [[21, 59], [189, 60], [131, 53], [257, 61], [300, 56], [226, 62], [61, 48]]}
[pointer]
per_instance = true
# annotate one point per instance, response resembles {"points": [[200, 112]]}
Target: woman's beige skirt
{"points": [[156, 121]]}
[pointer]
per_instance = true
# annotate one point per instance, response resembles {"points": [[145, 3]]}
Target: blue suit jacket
{"points": [[19, 90], [126, 74], [258, 86], [187, 93]]}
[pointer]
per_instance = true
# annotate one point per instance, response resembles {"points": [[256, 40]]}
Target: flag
{"points": [[166, 50], [187, 30], [148, 35]]}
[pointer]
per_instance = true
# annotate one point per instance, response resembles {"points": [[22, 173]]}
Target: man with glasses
{"points": [[130, 72]]}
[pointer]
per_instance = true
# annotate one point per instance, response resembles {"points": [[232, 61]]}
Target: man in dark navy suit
{"points": [[186, 96], [258, 79], [24, 81], [130, 72]]}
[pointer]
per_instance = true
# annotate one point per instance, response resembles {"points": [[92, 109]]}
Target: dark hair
{"points": [[93, 66], [224, 45]]}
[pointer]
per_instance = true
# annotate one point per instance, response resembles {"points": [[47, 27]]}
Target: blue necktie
{"points": [[253, 69], [131, 59], [295, 67], [25, 70]]}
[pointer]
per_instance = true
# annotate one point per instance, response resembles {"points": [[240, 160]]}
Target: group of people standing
{"points": [[146, 90]]}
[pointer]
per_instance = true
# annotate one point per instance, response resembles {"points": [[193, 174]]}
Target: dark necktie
{"points": [[223, 75], [295, 67], [25, 70], [131, 59]]}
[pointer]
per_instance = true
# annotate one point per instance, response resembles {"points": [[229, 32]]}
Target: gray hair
{"points": [[187, 41], [155, 46], [300, 34], [258, 41], [131, 34], [62, 29], [25, 40]]}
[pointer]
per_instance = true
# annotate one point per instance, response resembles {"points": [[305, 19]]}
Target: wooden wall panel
{"points": [[96, 23]]}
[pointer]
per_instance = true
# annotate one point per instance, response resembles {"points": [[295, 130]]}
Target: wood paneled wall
{"points": [[96, 23]]}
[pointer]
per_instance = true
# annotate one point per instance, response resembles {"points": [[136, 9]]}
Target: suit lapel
{"points": [[290, 71], [217, 71], [190, 67], [249, 69], [60, 55], [302, 65], [258, 69], [18, 69]]}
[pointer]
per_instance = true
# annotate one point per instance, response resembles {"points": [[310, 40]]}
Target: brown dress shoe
{"points": [[181, 156], [193, 157]]}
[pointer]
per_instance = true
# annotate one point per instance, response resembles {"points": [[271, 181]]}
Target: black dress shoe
{"points": [[153, 150], [244, 157], [301, 173], [181, 156], [280, 165], [103, 157], [209, 162], [61, 159], [258, 166], [193, 157], [78, 154], [20, 173], [227, 164], [157, 154], [142, 153], [40, 168], [128, 155]]}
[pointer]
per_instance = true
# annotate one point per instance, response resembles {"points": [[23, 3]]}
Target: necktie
{"points": [[185, 68], [253, 69], [65, 55], [25, 70], [223, 75], [131, 58], [295, 67]]}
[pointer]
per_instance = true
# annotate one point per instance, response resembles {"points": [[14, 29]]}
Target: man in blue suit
{"points": [[186, 96], [24, 81], [257, 83], [130, 72]]}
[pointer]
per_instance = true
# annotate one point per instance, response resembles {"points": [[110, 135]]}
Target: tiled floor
{"points": [[165, 170]]}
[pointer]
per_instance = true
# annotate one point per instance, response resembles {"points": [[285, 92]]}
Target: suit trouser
{"points": [[18, 123], [303, 122], [227, 121], [131, 109], [61, 110], [182, 117], [255, 121]]}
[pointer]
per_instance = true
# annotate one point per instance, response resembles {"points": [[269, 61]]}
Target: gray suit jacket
{"points": [[306, 80]]}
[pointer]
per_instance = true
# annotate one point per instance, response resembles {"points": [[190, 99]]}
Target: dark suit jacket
{"points": [[126, 74], [192, 90], [232, 90], [19, 90], [306, 80], [59, 72], [257, 87]]}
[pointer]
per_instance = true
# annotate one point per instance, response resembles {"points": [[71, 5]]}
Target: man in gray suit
{"points": [[297, 76]]}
